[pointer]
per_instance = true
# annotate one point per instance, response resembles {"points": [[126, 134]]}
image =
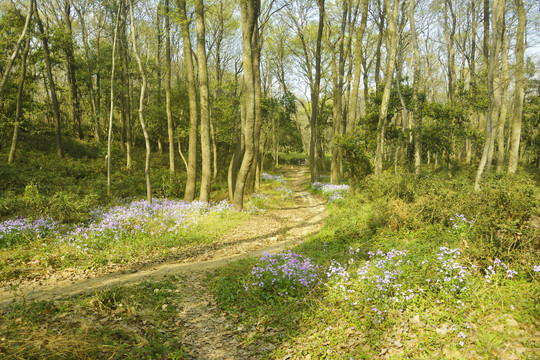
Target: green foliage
{"points": [[353, 152], [409, 261]]}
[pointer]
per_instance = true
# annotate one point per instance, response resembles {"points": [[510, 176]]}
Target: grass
{"points": [[394, 281], [358, 289], [136, 322]]}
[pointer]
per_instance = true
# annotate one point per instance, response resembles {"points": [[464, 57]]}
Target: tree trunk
{"points": [[111, 111], [191, 180], [170, 128], [416, 116], [504, 108], [13, 56], [141, 106], [71, 72], [206, 177], [351, 119], [493, 109], [315, 96], [517, 114], [383, 112], [249, 14], [89, 81], [18, 109], [54, 98], [252, 175]]}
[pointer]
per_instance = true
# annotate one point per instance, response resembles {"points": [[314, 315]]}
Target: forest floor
{"points": [[206, 333]]}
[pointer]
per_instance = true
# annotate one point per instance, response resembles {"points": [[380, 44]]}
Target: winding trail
{"points": [[207, 333]]}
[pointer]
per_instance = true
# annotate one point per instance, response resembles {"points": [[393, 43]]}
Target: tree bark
{"points": [[359, 57], [89, 81], [111, 110], [206, 177], [493, 109], [191, 180], [141, 106], [315, 96], [252, 175], [71, 72], [54, 98], [17, 47], [18, 109], [389, 73], [249, 14], [517, 114], [170, 128], [504, 108]]}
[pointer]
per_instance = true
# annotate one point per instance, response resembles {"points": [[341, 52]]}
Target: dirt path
{"points": [[207, 333]]}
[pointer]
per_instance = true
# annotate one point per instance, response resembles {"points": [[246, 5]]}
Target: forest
{"points": [[337, 179]]}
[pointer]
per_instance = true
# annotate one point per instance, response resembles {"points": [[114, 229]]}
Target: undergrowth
{"points": [[404, 268], [134, 322]]}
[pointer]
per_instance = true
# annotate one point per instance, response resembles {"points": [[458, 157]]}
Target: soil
{"points": [[209, 334]]}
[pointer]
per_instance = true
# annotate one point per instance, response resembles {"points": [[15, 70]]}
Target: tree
{"points": [[55, 105], [249, 14], [71, 69], [388, 76], [17, 47], [191, 180], [494, 100], [315, 95], [18, 111], [141, 105], [416, 117], [111, 109], [170, 128], [519, 90], [359, 59], [204, 102]]}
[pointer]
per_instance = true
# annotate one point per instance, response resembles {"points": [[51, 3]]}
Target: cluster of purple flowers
{"points": [[275, 178], [283, 274], [332, 192], [285, 193], [452, 275], [18, 230], [162, 217], [499, 270], [460, 220]]}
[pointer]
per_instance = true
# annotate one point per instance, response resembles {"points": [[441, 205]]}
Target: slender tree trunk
{"points": [[71, 72], [249, 13], [54, 98], [351, 120], [89, 82], [504, 108], [493, 66], [141, 105], [252, 175], [315, 95], [517, 113], [127, 90], [170, 128], [450, 34], [416, 117], [378, 55], [13, 56], [389, 73], [111, 110], [191, 180], [18, 109], [206, 177]]}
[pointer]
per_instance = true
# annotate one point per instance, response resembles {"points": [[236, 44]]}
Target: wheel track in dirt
{"points": [[207, 333]]}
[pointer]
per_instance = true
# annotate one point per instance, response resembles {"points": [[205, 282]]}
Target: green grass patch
{"points": [[404, 269]]}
